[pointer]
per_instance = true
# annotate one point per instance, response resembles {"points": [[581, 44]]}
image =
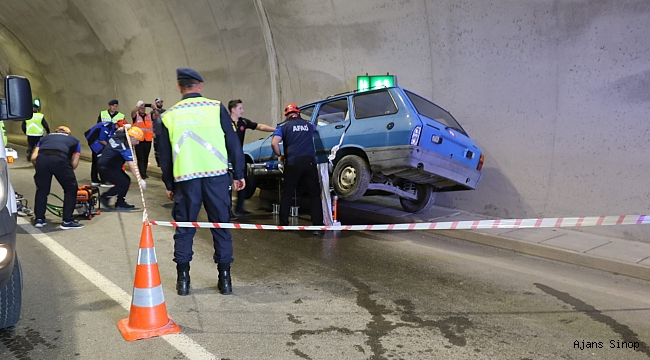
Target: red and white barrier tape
{"points": [[448, 225]]}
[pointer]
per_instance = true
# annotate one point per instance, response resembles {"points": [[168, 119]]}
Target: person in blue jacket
{"points": [[110, 161]]}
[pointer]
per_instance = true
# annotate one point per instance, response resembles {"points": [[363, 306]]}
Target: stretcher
{"points": [[87, 205]]}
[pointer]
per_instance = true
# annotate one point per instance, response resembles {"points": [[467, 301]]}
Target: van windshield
{"points": [[427, 108]]}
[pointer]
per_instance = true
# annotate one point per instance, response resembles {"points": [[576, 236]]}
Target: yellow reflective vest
{"points": [[34, 126], [197, 139], [106, 117], [4, 132]]}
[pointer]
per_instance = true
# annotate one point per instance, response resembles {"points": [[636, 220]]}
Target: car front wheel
{"points": [[351, 177], [11, 297], [426, 197]]}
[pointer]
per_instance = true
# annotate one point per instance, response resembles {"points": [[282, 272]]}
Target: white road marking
{"points": [[181, 342]]}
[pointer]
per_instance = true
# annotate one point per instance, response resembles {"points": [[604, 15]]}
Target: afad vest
{"points": [[145, 123], [197, 139], [106, 117], [34, 126]]}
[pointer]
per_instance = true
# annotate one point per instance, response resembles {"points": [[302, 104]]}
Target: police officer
{"points": [[110, 161], [112, 115], [57, 155], [200, 134], [35, 128], [297, 136]]}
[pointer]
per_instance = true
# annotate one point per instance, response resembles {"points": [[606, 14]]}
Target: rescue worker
{"points": [[57, 155], [34, 128], [300, 166], [156, 117], [112, 115], [143, 120], [200, 134], [110, 162], [236, 109]]}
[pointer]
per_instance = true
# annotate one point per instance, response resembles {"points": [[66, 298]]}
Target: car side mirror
{"points": [[18, 103]]}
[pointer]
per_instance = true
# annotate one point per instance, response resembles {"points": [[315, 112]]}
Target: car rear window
{"points": [[374, 104], [433, 111]]}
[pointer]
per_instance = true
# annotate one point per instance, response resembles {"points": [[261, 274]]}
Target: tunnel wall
{"points": [[554, 92]]}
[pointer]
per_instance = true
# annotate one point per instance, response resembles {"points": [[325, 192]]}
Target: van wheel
{"points": [[426, 199], [351, 177], [11, 297]]}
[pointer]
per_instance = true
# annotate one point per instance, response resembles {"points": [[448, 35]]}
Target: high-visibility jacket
{"points": [[144, 123], [106, 117], [34, 126], [197, 139], [4, 132]]}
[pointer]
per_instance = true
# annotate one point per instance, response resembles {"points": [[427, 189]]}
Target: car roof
{"points": [[346, 94]]}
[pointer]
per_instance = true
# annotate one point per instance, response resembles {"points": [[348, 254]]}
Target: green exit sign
{"points": [[370, 82]]}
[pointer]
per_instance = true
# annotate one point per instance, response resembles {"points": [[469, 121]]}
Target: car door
{"points": [[377, 121], [331, 121]]}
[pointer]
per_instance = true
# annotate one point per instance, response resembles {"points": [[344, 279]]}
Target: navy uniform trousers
{"points": [[304, 171], [213, 193], [48, 165]]}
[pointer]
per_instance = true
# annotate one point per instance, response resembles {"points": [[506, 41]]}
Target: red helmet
{"points": [[291, 108], [121, 123]]}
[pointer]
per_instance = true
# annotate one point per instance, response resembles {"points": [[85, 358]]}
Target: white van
{"points": [[15, 107]]}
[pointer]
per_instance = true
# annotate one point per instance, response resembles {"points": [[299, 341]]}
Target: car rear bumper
{"points": [[7, 241], [423, 167]]}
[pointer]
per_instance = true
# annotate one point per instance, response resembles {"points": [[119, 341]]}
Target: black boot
{"points": [[183, 279], [225, 284]]}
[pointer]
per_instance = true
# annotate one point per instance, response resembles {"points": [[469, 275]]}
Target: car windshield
{"points": [[433, 111]]}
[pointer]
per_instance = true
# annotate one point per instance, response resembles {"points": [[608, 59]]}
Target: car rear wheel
{"points": [[351, 177], [426, 198], [11, 297]]}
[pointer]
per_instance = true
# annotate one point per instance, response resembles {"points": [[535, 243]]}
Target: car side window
{"points": [[374, 104], [333, 112]]}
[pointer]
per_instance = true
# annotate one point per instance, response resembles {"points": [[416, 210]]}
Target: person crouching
{"points": [[110, 162]]}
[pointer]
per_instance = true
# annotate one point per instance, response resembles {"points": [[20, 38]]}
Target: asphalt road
{"points": [[348, 295]]}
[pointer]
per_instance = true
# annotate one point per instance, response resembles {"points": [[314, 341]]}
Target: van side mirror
{"points": [[18, 103]]}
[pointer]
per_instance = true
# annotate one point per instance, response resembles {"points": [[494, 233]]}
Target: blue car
{"points": [[383, 141]]}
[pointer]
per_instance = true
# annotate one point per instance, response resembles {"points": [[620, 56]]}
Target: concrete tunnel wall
{"points": [[556, 93]]}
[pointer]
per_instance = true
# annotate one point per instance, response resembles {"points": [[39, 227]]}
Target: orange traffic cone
{"points": [[148, 316]]}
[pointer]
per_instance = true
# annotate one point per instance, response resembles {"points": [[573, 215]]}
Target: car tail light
{"points": [[415, 135], [480, 162]]}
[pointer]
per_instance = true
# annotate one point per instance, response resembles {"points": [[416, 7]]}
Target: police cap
{"points": [[113, 102], [187, 73]]}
